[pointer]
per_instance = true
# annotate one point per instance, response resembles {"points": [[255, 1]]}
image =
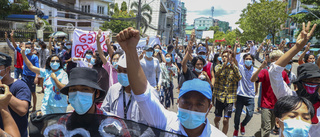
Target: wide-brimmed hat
{"points": [[307, 70], [5, 59], [83, 76]]}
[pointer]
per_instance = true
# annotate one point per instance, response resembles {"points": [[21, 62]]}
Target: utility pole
{"points": [[139, 16]]}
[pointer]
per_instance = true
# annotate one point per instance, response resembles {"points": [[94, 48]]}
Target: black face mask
{"points": [[301, 92]]}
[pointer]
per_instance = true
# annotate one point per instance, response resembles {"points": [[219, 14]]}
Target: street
{"points": [[252, 127]]}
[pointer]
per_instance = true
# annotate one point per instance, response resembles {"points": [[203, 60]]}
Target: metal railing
{"points": [[22, 35]]}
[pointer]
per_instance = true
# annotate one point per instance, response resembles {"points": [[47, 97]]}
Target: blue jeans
{"points": [[243, 101], [17, 73]]}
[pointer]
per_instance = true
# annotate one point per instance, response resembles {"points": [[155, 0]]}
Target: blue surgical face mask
{"points": [[54, 65], [295, 128], [248, 63], [198, 70], [81, 101], [238, 50], [88, 56], [168, 59], [115, 65], [68, 46], [156, 50], [27, 51], [93, 61], [191, 119], [149, 54], [123, 79], [203, 56], [219, 58], [1, 77], [288, 67]]}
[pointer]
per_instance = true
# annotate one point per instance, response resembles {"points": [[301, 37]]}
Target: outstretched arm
{"points": [[304, 52], [128, 40], [9, 125], [27, 62], [101, 54], [302, 40], [12, 39]]}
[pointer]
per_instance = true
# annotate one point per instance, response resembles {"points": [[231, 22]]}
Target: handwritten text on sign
{"points": [[86, 40]]}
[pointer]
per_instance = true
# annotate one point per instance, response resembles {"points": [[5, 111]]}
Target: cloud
{"points": [[216, 13], [225, 10]]}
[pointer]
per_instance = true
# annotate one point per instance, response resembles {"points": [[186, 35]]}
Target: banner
{"points": [[209, 33], [90, 125], [142, 43], [85, 40]]}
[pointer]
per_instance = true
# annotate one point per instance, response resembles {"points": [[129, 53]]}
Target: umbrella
{"points": [[58, 34]]}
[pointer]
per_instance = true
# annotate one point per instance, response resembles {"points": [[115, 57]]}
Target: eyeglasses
{"points": [[52, 61]]}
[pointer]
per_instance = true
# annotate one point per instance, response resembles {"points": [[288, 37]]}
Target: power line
{"points": [[57, 5]]}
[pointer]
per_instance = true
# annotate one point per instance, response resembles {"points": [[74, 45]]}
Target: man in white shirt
{"points": [[150, 66], [194, 97], [308, 80]]}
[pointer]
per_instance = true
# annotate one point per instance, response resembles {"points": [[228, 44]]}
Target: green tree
{"points": [[113, 8], [117, 25], [218, 35], [124, 6], [260, 19], [146, 12], [304, 17], [231, 37], [214, 28], [7, 8]]}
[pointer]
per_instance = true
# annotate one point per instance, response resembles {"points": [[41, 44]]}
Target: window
{"points": [[85, 8], [100, 9]]}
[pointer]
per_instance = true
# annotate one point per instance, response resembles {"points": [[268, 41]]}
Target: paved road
{"points": [[252, 127]]}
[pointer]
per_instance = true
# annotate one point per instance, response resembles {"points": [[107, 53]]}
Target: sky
{"points": [[224, 10]]}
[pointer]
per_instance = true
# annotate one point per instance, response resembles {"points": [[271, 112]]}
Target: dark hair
{"points": [[195, 59], [215, 57], [114, 47], [290, 62], [169, 54], [29, 43], [42, 44], [98, 62], [88, 52], [306, 57], [157, 45], [288, 103], [170, 47], [118, 52], [248, 54], [48, 67]]}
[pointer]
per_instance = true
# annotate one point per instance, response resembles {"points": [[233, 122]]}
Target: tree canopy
{"points": [[7, 8], [260, 19], [305, 17]]}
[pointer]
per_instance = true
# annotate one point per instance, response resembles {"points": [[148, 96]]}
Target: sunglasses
{"points": [[52, 61]]}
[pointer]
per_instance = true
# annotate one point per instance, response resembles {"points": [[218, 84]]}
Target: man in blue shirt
{"points": [[28, 76], [19, 102]]}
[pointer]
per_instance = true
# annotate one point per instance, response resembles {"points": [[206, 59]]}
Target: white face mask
{"points": [[1, 77]]}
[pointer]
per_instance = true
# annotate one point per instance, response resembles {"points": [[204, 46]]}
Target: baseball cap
{"points": [[202, 49], [198, 85], [5, 59], [122, 61], [148, 47]]}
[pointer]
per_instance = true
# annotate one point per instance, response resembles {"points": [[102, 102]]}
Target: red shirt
{"points": [[268, 99], [19, 63], [207, 69]]}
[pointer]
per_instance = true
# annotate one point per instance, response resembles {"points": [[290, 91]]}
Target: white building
{"points": [[203, 22], [59, 18], [162, 19]]}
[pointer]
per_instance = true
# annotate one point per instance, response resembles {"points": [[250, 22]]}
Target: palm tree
{"points": [[146, 12]]}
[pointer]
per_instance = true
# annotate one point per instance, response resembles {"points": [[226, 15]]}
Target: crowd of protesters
{"points": [[141, 87]]}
